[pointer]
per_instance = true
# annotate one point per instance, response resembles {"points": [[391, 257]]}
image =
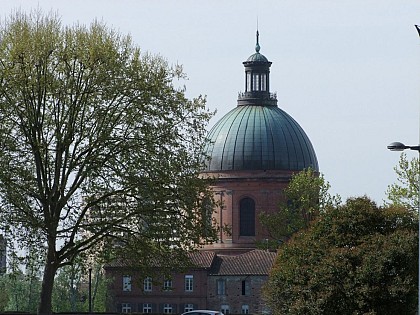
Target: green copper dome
{"points": [[257, 57], [258, 135], [259, 138]]}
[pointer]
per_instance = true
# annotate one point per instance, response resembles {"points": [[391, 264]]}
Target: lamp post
{"points": [[90, 290], [398, 146]]}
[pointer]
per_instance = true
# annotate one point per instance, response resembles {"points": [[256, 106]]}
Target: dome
{"points": [[257, 134], [259, 138], [257, 57]]}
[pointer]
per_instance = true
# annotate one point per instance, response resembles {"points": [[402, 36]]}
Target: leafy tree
{"points": [[406, 191], [99, 148], [71, 289], [304, 198], [4, 296], [354, 259], [100, 294], [19, 290], [21, 285]]}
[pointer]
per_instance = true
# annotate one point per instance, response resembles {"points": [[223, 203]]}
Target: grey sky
{"points": [[348, 71]]}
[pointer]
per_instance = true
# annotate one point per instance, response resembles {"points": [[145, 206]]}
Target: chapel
{"points": [[252, 153]]}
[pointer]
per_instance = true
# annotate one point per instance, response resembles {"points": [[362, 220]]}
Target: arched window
{"points": [[247, 217]]}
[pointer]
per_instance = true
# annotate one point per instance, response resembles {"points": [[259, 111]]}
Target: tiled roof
{"points": [[198, 259], [202, 259], [255, 262]]}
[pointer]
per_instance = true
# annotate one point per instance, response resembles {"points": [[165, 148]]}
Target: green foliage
{"points": [[100, 151], [4, 296], [354, 259], [308, 191], [21, 285], [406, 191], [71, 289], [19, 291], [304, 198]]}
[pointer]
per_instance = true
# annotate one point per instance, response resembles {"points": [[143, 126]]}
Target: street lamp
{"points": [[90, 290], [398, 146]]}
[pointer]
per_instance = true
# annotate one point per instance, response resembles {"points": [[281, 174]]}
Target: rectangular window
{"points": [[125, 308], [225, 309], [188, 307], [221, 287], [255, 81], [247, 217], [245, 309], [167, 285], [189, 283], [245, 287], [126, 283], [167, 309], [147, 308], [248, 82], [147, 284], [263, 82]]}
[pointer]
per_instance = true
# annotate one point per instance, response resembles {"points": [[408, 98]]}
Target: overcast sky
{"points": [[347, 71]]}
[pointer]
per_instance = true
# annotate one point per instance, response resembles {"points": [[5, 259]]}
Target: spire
{"points": [[257, 46]]}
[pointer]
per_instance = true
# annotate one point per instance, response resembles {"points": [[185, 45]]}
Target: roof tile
{"points": [[255, 262]]}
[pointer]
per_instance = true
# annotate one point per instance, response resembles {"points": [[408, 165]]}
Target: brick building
{"points": [[235, 282], [253, 152], [175, 293], [231, 283]]}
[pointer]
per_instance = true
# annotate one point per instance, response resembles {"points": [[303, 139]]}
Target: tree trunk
{"points": [[45, 304]]}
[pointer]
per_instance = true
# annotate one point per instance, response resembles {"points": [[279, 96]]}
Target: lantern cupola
{"points": [[257, 80]]}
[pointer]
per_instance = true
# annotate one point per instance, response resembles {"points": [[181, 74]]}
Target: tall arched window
{"points": [[247, 217]]}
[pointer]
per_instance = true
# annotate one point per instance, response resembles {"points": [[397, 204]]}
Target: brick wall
{"points": [[264, 187], [240, 290], [177, 297]]}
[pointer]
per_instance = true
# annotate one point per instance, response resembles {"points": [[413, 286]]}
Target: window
{"points": [[245, 287], [247, 217], [245, 309], [126, 283], [167, 284], [225, 309], [248, 82], [147, 284], [255, 81], [188, 307], [125, 308], [147, 308], [221, 287], [189, 283], [167, 309], [263, 82]]}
